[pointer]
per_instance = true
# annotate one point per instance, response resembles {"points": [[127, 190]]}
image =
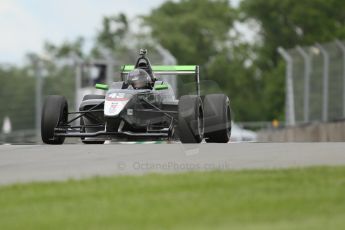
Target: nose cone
{"points": [[115, 103]]}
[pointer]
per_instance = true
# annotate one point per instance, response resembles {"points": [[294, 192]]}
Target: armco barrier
{"points": [[315, 132]]}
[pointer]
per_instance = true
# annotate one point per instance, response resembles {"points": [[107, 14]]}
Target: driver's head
{"points": [[139, 79]]}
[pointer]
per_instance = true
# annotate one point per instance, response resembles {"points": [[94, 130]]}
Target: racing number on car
{"points": [[113, 107]]}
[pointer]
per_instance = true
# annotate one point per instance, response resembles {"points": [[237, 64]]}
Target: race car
{"points": [[140, 107]]}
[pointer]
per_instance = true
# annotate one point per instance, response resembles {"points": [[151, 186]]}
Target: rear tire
{"points": [[54, 112], [90, 142], [190, 119], [217, 116]]}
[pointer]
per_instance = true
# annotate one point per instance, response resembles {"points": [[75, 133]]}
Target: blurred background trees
{"points": [[199, 32], [193, 31]]}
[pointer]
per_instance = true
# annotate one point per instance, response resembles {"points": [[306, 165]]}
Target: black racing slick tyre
{"points": [[90, 142], [217, 116], [54, 112], [190, 119]]}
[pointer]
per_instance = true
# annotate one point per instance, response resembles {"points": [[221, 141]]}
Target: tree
{"points": [[67, 49], [192, 30], [288, 23], [114, 30], [239, 81]]}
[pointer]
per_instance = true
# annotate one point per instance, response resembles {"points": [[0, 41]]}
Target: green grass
{"points": [[312, 198]]}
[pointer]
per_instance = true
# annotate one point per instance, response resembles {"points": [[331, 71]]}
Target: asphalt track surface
{"points": [[49, 163]]}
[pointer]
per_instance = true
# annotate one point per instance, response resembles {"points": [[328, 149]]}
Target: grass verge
{"points": [[311, 198]]}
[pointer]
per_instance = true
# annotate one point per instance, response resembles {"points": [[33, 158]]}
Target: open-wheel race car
{"points": [[140, 107]]}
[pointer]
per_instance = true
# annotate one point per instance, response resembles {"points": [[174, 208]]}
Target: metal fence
{"points": [[315, 83], [22, 93]]}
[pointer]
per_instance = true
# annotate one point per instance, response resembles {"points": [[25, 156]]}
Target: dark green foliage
{"points": [[288, 23], [18, 87], [17, 97], [192, 30]]}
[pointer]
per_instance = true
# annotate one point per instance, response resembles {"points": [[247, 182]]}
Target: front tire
{"points": [[54, 112], [217, 116], [190, 119]]}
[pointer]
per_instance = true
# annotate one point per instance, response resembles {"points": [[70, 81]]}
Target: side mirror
{"points": [[102, 86], [161, 87]]}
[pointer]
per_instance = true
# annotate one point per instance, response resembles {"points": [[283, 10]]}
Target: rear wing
{"points": [[166, 69], [169, 70]]}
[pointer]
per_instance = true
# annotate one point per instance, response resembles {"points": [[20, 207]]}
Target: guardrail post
{"points": [[307, 71], [110, 70], [38, 98], [168, 59], [78, 73], [325, 82], [342, 47], [290, 104]]}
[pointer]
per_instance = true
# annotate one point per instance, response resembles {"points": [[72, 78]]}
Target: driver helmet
{"points": [[139, 79]]}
